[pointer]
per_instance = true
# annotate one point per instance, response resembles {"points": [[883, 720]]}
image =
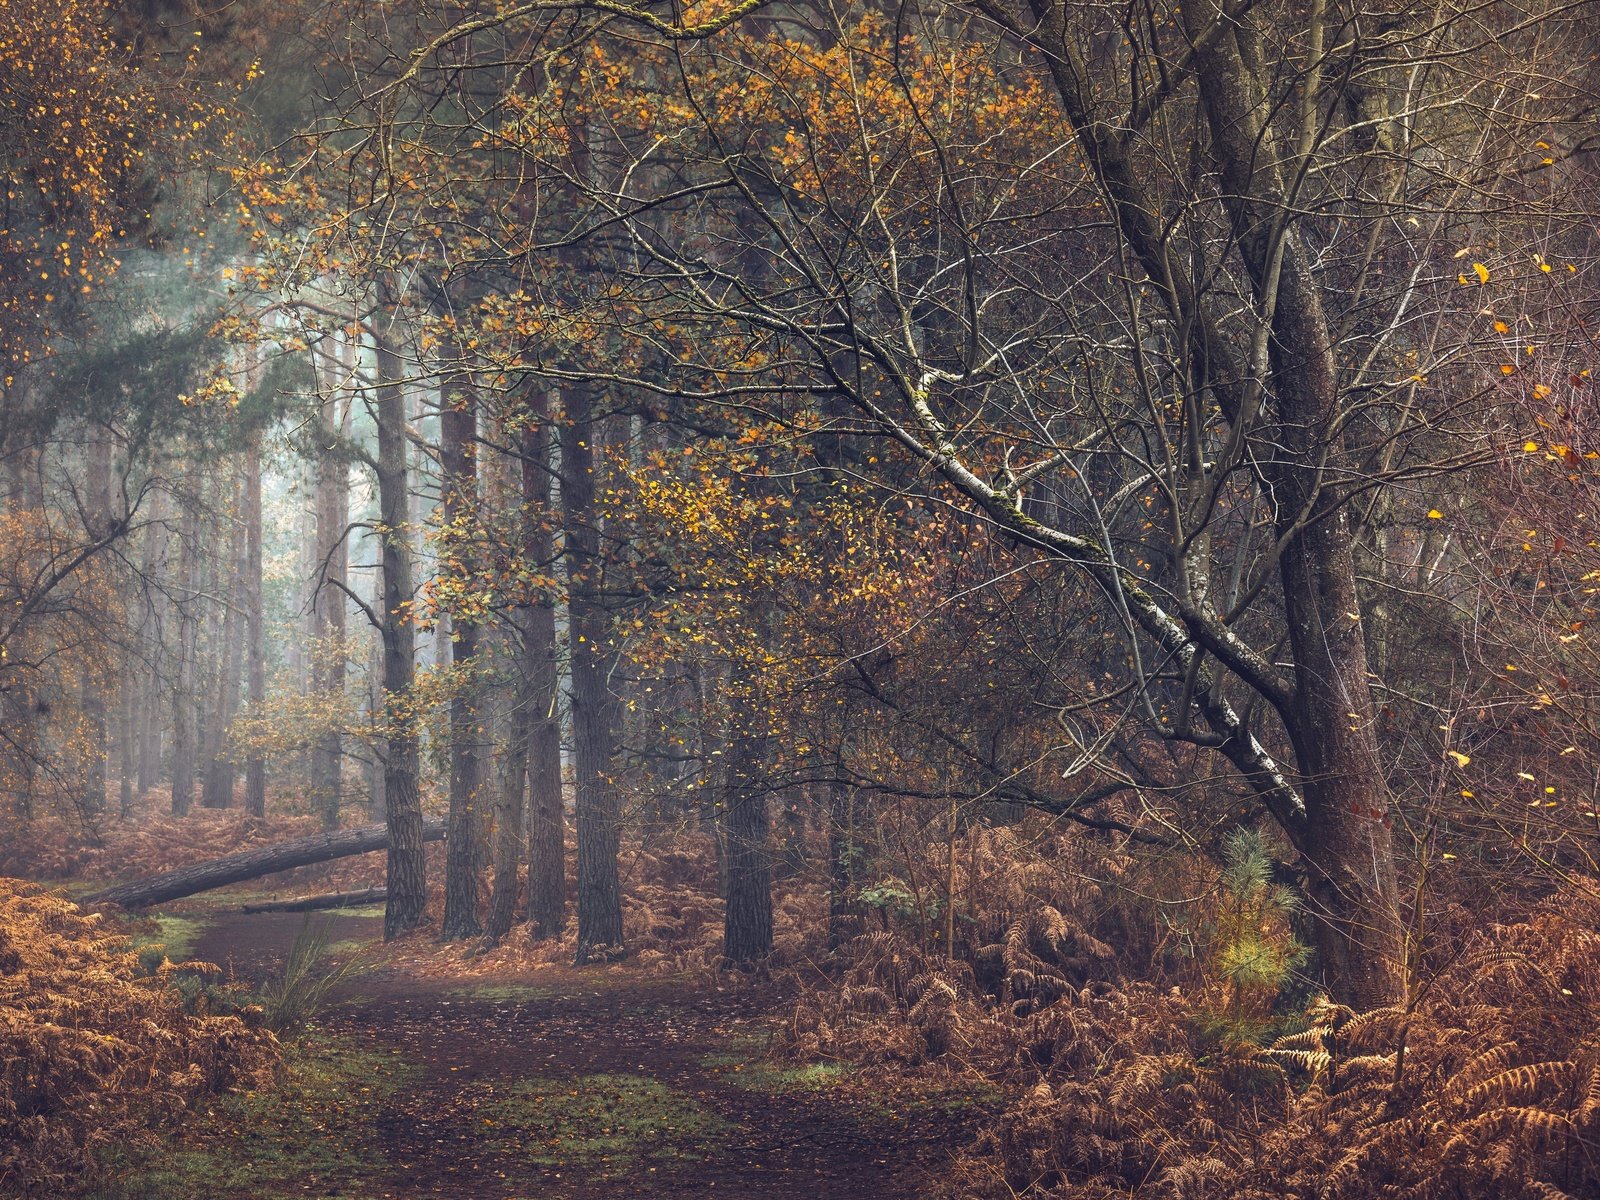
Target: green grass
{"points": [[742, 1066], [175, 935], [759, 1075], [607, 1125], [351, 946], [364, 910], [314, 1134]]}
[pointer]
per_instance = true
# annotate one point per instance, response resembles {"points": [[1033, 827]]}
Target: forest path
{"points": [[566, 1084]]}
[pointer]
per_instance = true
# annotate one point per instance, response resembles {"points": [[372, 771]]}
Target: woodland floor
{"points": [[564, 1083]]}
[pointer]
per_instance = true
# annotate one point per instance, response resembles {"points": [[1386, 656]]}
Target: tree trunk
{"points": [[508, 817], [326, 900], [183, 731], [332, 574], [1346, 840], [127, 743], [593, 719], [252, 864], [407, 903], [843, 854], [97, 683], [217, 790], [255, 769], [148, 731], [747, 923], [547, 838], [458, 431]]}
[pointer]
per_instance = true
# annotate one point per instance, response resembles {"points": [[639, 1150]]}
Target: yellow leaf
{"points": [[1530, 447], [1434, 514], [1501, 327], [1461, 759], [1482, 272]]}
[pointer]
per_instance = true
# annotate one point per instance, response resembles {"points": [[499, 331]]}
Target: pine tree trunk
{"points": [[547, 839], [252, 864], [217, 790], [183, 730], [593, 720], [328, 671], [747, 924], [508, 817], [255, 769], [148, 730], [843, 913], [406, 906], [458, 431], [127, 745], [95, 689]]}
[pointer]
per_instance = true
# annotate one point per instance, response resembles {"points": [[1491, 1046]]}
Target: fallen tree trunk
{"points": [[327, 900], [252, 864]]}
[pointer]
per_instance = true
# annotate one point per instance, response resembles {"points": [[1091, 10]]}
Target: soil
{"points": [[471, 1046]]}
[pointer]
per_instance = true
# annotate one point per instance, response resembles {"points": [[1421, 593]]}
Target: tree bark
{"points": [[458, 431], [148, 730], [255, 769], [95, 688], [1346, 840], [508, 817], [252, 864], [747, 921], [183, 730], [593, 717], [220, 774], [333, 575], [843, 854], [547, 838], [326, 900], [406, 906]]}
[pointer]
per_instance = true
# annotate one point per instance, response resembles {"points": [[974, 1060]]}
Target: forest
{"points": [[979, 599]]}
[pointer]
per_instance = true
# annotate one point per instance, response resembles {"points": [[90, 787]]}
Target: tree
{"points": [[1161, 304], [332, 569], [255, 768], [406, 904], [541, 673], [597, 804], [458, 419]]}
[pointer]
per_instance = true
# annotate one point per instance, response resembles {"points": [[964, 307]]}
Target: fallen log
{"points": [[252, 864], [326, 900]]}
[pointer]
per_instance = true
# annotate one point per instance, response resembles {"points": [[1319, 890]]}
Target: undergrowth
{"points": [[1485, 1085], [606, 1124], [310, 1134], [301, 986], [97, 1051]]}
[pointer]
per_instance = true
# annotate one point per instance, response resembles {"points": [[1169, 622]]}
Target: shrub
{"points": [[91, 1052]]}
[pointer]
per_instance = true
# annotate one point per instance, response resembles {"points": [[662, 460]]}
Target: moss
{"points": [[606, 1124], [365, 910], [314, 1134], [175, 935], [743, 1067], [757, 1075]]}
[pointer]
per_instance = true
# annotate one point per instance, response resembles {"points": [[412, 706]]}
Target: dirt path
{"points": [[579, 1083]]}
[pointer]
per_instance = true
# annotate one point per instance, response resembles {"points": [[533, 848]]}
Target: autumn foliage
{"points": [[95, 1051]]}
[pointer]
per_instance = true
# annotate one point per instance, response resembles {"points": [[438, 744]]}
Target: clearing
{"points": [[560, 1083]]}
